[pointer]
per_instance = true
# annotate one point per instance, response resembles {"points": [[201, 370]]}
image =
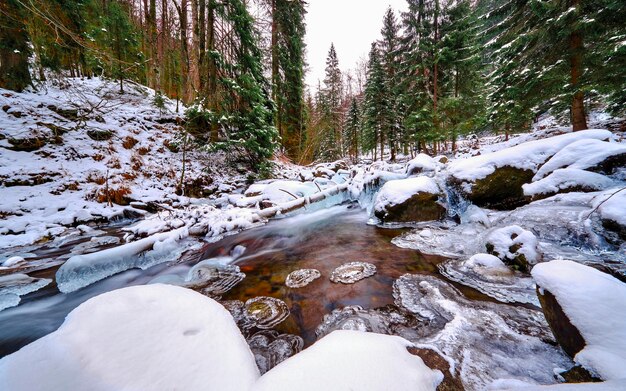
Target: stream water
{"points": [[321, 240]]}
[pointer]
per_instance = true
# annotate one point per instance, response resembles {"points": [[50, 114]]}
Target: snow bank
{"points": [[514, 385], [82, 270], [568, 178], [527, 156], [153, 337], [398, 191], [352, 360], [595, 303], [581, 154]]}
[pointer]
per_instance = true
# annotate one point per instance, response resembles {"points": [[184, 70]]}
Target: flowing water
{"points": [[321, 240]]}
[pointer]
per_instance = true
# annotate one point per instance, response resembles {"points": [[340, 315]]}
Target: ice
{"points": [[12, 286], [12, 262], [487, 341], [150, 337], [581, 155], [265, 312], [82, 270], [352, 360], [527, 156], [516, 385], [570, 179], [352, 272], [595, 303], [302, 277], [487, 274], [213, 278], [612, 206], [270, 348]]}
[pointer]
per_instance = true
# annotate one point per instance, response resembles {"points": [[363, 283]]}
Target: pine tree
{"points": [[352, 130], [376, 106], [330, 147], [389, 48]]}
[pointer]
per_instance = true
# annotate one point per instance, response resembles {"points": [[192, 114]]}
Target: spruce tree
{"points": [[330, 147], [375, 106], [14, 47], [389, 47], [352, 130]]}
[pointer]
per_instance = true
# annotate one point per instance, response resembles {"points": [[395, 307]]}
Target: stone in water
{"points": [[302, 277], [351, 272]]}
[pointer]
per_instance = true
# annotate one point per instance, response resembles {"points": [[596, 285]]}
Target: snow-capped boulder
{"points": [[586, 310], [420, 164], [152, 337], [412, 199], [589, 154], [495, 179], [566, 180], [352, 360], [514, 246], [613, 213]]}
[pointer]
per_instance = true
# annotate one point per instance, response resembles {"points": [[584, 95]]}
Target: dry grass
{"points": [[98, 157], [129, 142], [143, 150], [97, 179], [117, 195]]}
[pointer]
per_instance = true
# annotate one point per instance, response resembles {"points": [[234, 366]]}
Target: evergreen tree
{"points": [[352, 130], [389, 48], [376, 106], [330, 147]]}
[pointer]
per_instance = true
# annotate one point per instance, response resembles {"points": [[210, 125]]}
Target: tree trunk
{"points": [[579, 122]]}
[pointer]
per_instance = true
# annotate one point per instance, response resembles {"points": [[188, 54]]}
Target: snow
{"points": [[82, 270], [352, 360], [567, 178], [421, 163], [152, 337], [514, 385], [595, 303], [12, 261], [527, 156], [613, 207], [487, 261], [398, 191], [581, 155], [504, 238]]}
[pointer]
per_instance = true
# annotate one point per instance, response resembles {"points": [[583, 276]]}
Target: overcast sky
{"points": [[351, 25]]}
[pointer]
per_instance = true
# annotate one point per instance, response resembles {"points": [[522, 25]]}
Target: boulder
{"points": [[515, 246], [566, 334], [501, 190], [412, 199], [27, 144], [99, 135]]}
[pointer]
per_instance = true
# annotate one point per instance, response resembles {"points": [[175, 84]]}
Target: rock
{"points": [[302, 277], [265, 312], [515, 246], [500, 190], [412, 199], [70, 114], [99, 135], [566, 334], [28, 144], [616, 227], [578, 374], [433, 360]]}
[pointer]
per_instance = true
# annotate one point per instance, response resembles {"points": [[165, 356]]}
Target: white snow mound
{"points": [[152, 337], [352, 360], [567, 178], [595, 303]]}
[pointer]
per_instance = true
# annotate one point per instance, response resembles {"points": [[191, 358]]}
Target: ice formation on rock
{"points": [[487, 274], [351, 272], [270, 348], [302, 277], [213, 278], [266, 312], [13, 286], [487, 341]]}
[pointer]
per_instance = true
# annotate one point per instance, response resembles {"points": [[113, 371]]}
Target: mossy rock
{"points": [[99, 135], [420, 207], [566, 334], [70, 114], [433, 360], [501, 189], [578, 374], [28, 144], [610, 165]]}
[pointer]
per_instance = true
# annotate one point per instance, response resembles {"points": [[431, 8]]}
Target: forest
{"points": [[282, 195], [440, 71]]}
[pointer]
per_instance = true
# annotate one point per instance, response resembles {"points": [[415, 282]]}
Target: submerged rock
{"points": [[213, 279], [266, 312], [302, 277], [270, 348], [351, 272]]}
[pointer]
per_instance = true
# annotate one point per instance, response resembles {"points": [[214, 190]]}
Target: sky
{"points": [[351, 25]]}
